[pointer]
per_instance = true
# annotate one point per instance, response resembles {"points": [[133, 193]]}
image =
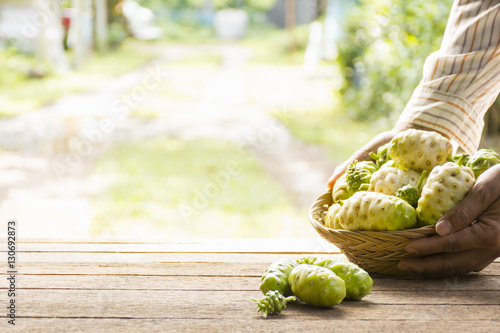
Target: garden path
{"points": [[49, 152]]}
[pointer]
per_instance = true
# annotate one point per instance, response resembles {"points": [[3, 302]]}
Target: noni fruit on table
{"points": [[358, 282], [307, 260], [446, 186], [276, 277], [330, 220], [317, 285], [339, 191], [411, 193], [272, 303], [420, 150], [482, 160], [357, 174], [377, 212], [388, 180]]}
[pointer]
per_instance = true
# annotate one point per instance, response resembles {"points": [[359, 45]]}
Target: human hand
{"points": [[462, 245], [372, 146]]}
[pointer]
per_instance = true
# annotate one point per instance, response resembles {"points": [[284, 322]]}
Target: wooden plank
{"points": [[252, 269], [282, 323], [229, 245], [472, 283], [49, 257], [228, 304]]}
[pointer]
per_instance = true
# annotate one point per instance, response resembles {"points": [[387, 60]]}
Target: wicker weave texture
{"points": [[374, 251]]}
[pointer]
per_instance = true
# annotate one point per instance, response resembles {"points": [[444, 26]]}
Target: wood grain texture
{"points": [[175, 287], [287, 322], [471, 283]]}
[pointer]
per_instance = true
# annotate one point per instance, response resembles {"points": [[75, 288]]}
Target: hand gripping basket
{"points": [[374, 251]]}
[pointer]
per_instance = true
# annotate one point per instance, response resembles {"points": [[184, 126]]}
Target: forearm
{"points": [[462, 79]]}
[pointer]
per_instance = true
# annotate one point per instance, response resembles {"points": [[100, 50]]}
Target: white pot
{"points": [[230, 23]]}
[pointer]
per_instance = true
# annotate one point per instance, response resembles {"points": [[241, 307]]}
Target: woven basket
{"points": [[374, 251]]}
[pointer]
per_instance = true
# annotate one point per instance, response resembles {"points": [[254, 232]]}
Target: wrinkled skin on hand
{"points": [[469, 234]]}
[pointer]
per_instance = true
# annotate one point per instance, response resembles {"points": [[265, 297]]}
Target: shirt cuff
{"points": [[445, 113]]}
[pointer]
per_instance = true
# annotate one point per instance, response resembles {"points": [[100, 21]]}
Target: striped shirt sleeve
{"points": [[462, 79]]}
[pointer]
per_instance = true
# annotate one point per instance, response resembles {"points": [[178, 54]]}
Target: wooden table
{"points": [[207, 287]]}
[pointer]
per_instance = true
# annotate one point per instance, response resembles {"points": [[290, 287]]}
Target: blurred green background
{"points": [[252, 105]]}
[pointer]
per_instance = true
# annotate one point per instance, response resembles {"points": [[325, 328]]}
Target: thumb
{"points": [[484, 192]]}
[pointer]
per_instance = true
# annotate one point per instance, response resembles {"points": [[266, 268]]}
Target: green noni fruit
{"points": [[377, 212], [310, 260], [272, 303], [446, 186], [357, 174], [316, 285], [358, 282], [276, 277], [420, 150], [388, 180], [330, 220], [339, 191], [411, 193], [381, 157], [482, 160]]}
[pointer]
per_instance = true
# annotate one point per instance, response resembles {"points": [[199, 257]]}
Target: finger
{"points": [[362, 154], [480, 266], [442, 265], [474, 237], [484, 192]]}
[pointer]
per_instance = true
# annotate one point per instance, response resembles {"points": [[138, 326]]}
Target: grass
{"points": [[199, 188], [276, 46], [335, 130], [21, 93]]}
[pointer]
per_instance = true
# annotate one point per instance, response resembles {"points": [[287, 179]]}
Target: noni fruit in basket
{"points": [[276, 277], [358, 282], [388, 180], [357, 174], [381, 157], [339, 191], [482, 160], [411, 193], [330, 220], [317, 285], [376, 211], [420, 150], [446, 186], [272, 303]]}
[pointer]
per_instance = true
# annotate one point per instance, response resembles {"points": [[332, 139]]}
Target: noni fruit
{"points": [[330, 220], [272, 303], [276, 277], [482, 160], [317, 285], [357, 174], [411, 193], [339, 191], [446, 186], [358, 282], [377, 212], [307, 260], [381, 157], [420, 150], [388, 180]]}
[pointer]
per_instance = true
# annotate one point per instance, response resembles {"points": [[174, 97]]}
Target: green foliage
{"points": [[382, 52], [172, 187], [173, 4], [257, 5], [23, 89]]}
